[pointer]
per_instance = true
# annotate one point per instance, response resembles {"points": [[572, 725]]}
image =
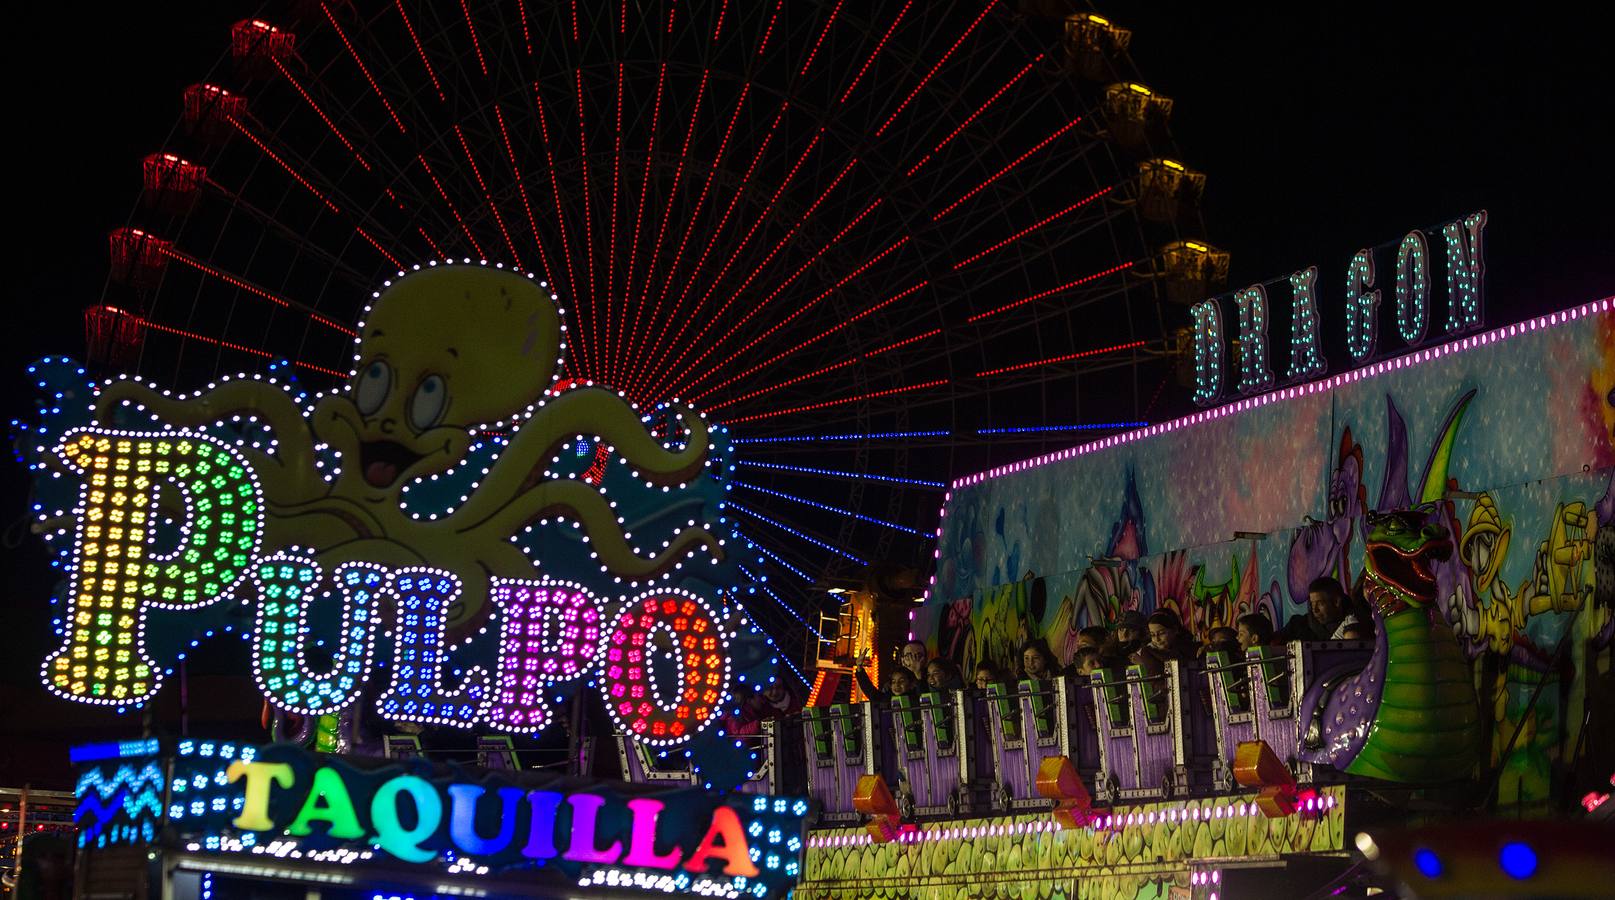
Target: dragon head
{"points": [[1397, 559]]}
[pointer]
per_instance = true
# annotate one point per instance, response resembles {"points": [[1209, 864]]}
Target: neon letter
{"points": [[328, 801], [1306, 354], [1362, 306], [585, 809], [1207, 352], [551, 634], [1466, 272], [285, 586], [1254, 374], [541, 834], [463, 818], [642, 843], [391, 835], [733, 850], [699, 650], [1412, 287], [255, 808], [416, 694], [114, 578]]}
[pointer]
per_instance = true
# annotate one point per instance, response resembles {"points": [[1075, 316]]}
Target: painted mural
{"points": [[1507, 444]]}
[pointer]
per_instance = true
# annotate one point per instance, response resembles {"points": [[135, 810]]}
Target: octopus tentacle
{"points": [[590, 411], [583, 504], [262, 400]]}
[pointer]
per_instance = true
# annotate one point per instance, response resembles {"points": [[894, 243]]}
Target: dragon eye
{"points": [[371, 391], [426, 407]]}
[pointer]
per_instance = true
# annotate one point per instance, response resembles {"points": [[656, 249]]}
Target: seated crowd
{"points": [[1134, 639]]}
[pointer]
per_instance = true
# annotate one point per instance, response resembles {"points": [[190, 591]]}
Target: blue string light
{"points": [[1091, 426], [777, 599], [832, 509], [777, 558], [786, 528], [872, 436], [836, 474]]}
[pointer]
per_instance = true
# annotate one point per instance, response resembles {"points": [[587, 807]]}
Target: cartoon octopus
{"points": [[443, 352]]}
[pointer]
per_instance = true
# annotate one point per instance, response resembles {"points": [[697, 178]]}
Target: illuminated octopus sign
{"points": [[307, 512]]}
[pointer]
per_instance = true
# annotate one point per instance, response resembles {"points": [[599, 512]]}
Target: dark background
{"points": [[1322, 128]]}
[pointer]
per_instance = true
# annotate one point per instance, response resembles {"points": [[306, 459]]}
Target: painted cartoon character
{"points": [[1324, 548], [1410, 714], [443, 353]]}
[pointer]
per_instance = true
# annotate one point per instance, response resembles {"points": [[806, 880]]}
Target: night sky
{"points": [[1322, 128]]}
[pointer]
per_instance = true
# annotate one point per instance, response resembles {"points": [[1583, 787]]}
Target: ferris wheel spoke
{"points": [[453, 210], [653, 341], [359, 61], [308, 185], [493, 207], [739, 194], [987, 8], [762, 219], [754, 308], [560, 216], [476, 43], [854, 476], [521, 187], [801, 309], [586, 302], [673, 369], [255, 290], [801, 534], [644, 193], [661, 228], [421, 51]]}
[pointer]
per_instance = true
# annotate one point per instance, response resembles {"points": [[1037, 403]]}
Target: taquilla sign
{"points": [[236, 798]]}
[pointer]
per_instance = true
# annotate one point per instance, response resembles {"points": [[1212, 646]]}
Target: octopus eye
{"points": [[426, 407], [371, 391]]}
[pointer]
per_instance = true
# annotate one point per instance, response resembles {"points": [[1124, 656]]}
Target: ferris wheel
{"points": [[884, 244]]}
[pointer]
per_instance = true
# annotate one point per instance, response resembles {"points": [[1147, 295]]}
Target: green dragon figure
{"points": [[1410, 715]]}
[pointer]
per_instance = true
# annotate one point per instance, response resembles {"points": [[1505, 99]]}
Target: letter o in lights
{"points": [[652, 628]]}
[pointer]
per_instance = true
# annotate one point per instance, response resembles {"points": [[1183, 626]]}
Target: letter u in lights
{"points": [[286, 589]]}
